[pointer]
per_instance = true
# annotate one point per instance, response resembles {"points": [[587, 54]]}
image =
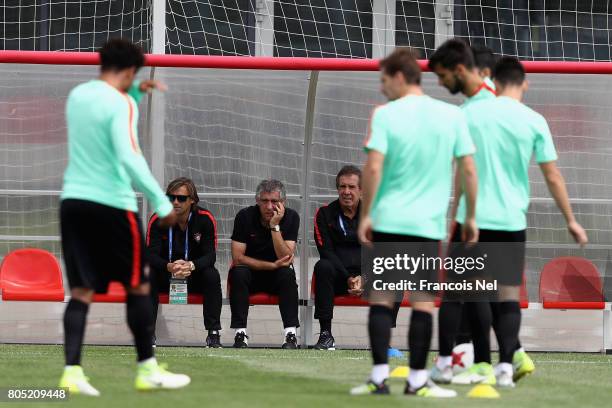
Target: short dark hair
{"points": [[450, 54], [509, 71], [271, 186], [348, 170], [186, 182], [119, 54], [484, 57], [402, 60]]}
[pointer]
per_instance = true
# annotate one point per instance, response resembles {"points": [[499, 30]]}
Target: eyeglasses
{"points": [[180, 198]]}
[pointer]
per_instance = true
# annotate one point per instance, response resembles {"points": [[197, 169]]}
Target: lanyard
{"points": [[170, 241], [341, 224]]}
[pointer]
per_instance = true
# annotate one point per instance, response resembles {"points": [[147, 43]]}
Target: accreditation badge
{"points": [[178, 291]]}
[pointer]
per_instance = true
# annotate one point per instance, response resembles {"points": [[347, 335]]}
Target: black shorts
{"points": [[505, 252], [101, 244], [414, 246]]}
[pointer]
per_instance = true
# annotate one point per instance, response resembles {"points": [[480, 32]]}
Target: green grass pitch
{"points": [[284, 378]]}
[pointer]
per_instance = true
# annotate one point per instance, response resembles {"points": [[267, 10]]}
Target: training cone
{"points": [[400, 372], [483, 391]]}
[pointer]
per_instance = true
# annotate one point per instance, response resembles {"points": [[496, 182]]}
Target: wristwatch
{"points": [[191, 266], [275, 228]]}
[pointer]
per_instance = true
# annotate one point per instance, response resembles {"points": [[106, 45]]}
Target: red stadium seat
{"points": [[31, 274], [115, 294], [524, 296], [571, 283]]}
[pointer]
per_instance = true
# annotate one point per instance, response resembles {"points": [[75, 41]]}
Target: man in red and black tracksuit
{"points": [[187, 251], [338, 272]]}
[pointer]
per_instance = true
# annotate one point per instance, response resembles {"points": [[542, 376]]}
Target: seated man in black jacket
{"points": [[187, 251], [338, 272]]}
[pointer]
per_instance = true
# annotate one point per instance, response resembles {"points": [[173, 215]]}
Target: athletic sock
{"points": [[140, 321], [508, 329], [417, 378], [449, 317], [380, 372], [419, 338], [479, 315], [75, 320], [379, 329], [444, 361]]}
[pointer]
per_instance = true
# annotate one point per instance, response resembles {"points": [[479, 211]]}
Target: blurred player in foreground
{"points": [[507, 134], [101, 232], [406, 190]]}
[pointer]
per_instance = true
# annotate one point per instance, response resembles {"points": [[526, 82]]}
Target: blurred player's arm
{"points": [[140, 88], [371, 176], [458, 190], [325, 245], [556, 185], [546, 157], [375, 145], [463, 152], [466, 170], [125, 142]]}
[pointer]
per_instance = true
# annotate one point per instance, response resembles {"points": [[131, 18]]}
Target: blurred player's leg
{"points": [[380, 320], [449, 316], [481, 372], [522, 364], [75, 320], [464, 335], [150, 375]]}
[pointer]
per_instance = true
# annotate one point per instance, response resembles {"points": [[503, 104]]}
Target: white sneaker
{"points": [[480, 373], [74, 379], [430, 390], [153, 376], [443, 376], [504, 379]]}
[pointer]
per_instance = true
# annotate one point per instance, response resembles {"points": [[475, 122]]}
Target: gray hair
{"points": [[271, 186]]}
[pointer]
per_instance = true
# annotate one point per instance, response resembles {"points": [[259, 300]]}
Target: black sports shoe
{"points": [[154, 341], [371, 388], [241, 340], [326, 341], [213, 340], [290, 341]]}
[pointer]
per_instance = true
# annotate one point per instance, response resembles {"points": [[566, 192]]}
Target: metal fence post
{"points": [[306, 310]]}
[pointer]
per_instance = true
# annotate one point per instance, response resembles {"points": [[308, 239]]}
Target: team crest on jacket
{"points": [[197, 236]]}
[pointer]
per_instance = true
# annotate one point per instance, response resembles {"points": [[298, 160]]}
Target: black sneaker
{"points": [[213, 340], [326, 341], [154, 341], [290, 341], [241, 340], [371, 388]]}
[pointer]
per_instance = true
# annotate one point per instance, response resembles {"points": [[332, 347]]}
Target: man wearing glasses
{"points": [[263, 243], [187, 251]]}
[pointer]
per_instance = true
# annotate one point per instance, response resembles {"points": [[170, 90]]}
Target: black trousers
{"points": [[281, 282], [206, 282], [330, 282]]}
